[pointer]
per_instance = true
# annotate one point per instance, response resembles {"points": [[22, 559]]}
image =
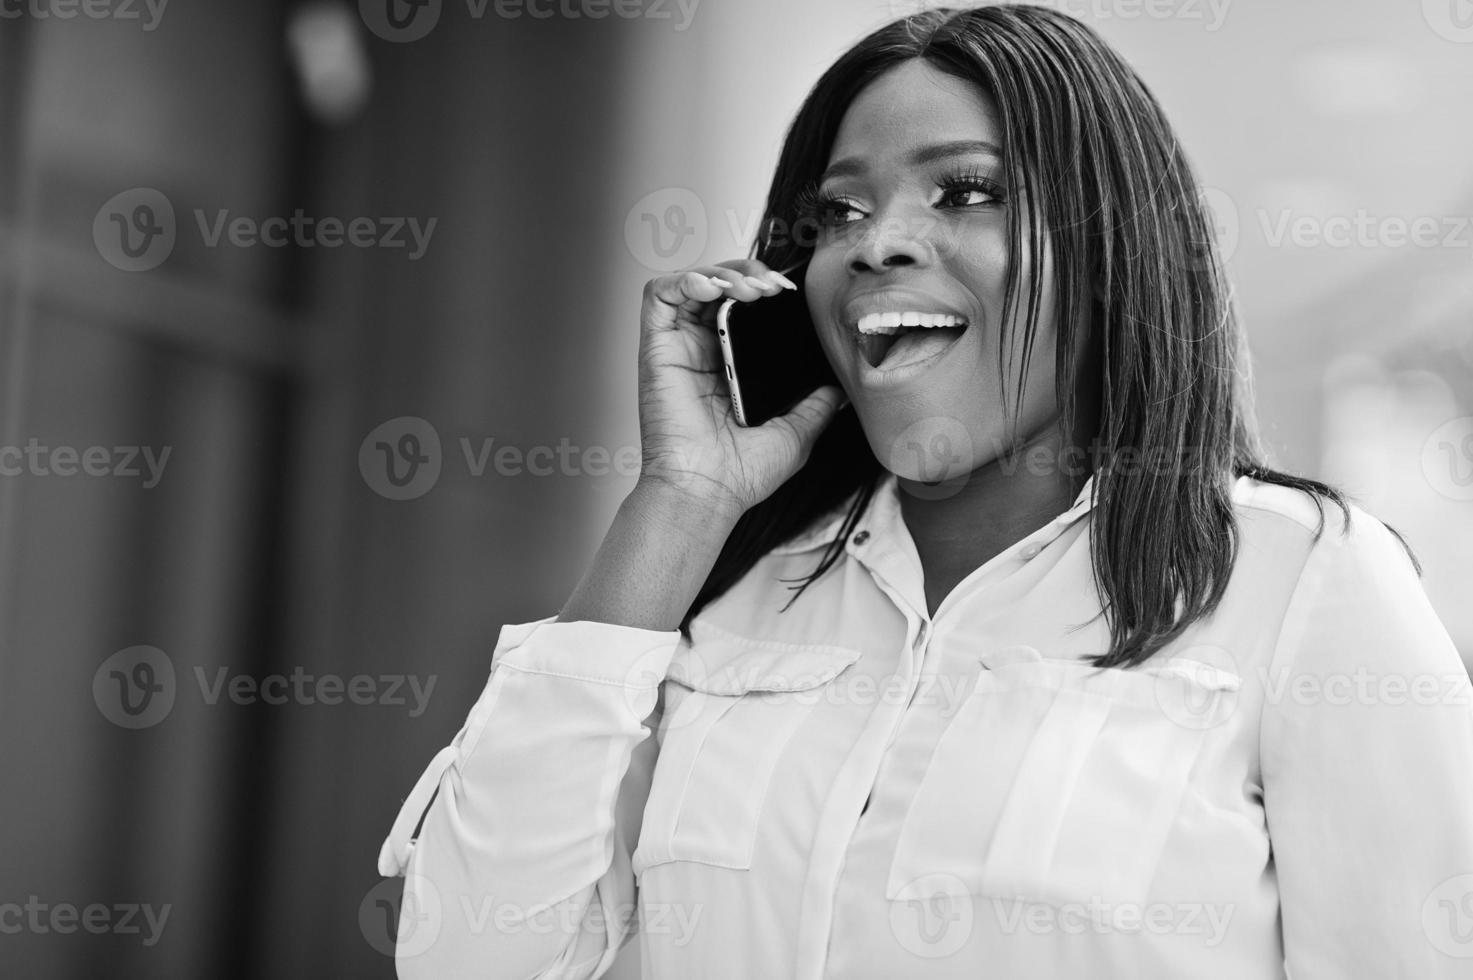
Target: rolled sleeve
{"points": [[534, 807]]}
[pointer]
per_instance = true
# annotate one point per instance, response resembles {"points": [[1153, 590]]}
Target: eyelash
{"points": [[813, 205]]}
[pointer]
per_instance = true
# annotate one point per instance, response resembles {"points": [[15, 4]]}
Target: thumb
{"points": [[810, 416]]}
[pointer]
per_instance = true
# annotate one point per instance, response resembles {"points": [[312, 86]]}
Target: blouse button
{"points": [[1032, 551], [861, 537]]}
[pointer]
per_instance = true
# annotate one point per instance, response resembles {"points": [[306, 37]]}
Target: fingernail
{"points": [[756, 283], [783, 280], [720, 282]]}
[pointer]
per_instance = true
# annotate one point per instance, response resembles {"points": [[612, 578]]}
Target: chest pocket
{"points": [[732, 705], [1056, 782]]}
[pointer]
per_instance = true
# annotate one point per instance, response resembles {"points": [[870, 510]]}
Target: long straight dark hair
{"points": [[1139, 280]]}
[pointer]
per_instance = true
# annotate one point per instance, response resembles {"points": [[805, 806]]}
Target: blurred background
{"points": [[318, 325]]}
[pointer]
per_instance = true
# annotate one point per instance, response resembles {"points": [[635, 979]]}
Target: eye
{"points": [[957, 188], [826, 210]]}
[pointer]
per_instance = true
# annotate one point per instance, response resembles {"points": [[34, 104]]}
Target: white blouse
{"points": [[853, 788]]}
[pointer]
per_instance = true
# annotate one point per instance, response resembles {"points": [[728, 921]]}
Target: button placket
{"points": [[856, 783]]}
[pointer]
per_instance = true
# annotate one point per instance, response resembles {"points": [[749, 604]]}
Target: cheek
{"points": [[981, 261]]}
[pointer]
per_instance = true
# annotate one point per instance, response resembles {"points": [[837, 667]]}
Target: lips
{"points": [[879, 320], [877, 334], [899, 331]]}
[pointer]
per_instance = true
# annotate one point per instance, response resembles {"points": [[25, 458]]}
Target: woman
{"points": [[1027, 666]]}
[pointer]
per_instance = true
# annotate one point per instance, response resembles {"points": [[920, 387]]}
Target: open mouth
{"points": [[892, 340]]}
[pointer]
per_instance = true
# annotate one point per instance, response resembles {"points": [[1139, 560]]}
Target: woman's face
{"points": [[915, 202]]}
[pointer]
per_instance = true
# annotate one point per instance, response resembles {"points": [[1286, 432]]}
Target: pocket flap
{"points": [[718, 662]]}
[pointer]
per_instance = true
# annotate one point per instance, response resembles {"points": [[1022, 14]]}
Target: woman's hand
{"points": [[690, 440]]}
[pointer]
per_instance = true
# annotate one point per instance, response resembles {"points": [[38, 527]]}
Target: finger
{"points": [[746, 287], [695, 292], [666, 296], [758, 270], [751, 280]]}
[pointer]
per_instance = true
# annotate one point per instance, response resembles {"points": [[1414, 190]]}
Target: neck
{"points": [[960, 524]]}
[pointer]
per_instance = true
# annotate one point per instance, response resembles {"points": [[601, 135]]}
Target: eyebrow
{"points": [[855, 166]]}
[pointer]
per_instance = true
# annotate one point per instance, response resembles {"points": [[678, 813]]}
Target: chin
{"points": [[925, 444]]}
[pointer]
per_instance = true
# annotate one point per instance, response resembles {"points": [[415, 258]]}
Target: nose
{"points": [[889, 243]]}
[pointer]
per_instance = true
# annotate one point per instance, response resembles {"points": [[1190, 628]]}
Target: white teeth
{"points": [[888, 323]]}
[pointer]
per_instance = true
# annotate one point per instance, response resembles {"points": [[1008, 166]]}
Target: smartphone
{"points": [[772, 354]]}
